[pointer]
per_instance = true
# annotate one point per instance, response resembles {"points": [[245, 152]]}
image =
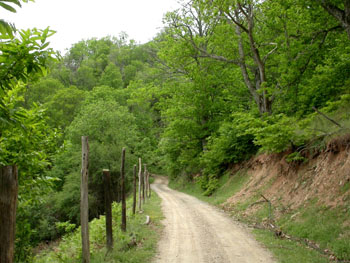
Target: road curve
{"points": [[197, 232]]}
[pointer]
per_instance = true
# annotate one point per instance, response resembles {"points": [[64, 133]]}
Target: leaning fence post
{"points": [[8, 203], [84, 204], [134, 195], [108, 208], [122, 173], [140, 173]]}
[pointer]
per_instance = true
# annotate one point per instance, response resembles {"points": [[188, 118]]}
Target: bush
{"points": [[277, 133], [233, 143], [212, 185]]}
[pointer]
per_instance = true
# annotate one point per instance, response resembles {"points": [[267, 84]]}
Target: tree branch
{"points": [[343, 16], [325, 116], [271, 52]]}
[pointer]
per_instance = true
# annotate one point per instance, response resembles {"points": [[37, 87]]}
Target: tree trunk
{"points": [[244, 70], [108, 208], [84, 204], [264, 102], [122, 173], [8, 204]]}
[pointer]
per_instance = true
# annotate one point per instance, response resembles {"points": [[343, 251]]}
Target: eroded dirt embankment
{"points": [[324, 178]]}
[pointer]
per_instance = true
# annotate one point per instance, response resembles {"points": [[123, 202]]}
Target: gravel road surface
{"points": [[198, 232]]}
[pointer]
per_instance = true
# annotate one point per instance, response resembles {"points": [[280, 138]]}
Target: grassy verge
{"points": [[328, 228], [287, 251], [138, 244], [228, 186]]}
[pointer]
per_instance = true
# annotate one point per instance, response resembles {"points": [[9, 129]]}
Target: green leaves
{"points": [[26, 141], [25, 138], [8, 7], [6, 28], [24, 58], [4, 4]]}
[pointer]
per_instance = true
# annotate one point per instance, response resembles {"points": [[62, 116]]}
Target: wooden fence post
{"points": [[143, 184], [122, 173], [149, 185], [140, 173], [134, 196], [145, 181], [8, 203], [84, 203], [108, 208]]}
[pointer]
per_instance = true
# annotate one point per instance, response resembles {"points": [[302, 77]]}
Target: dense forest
{"points": [[222, 81]]}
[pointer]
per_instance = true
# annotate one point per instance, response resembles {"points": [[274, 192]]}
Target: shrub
{"points": [[277, 133], [233, 143]]}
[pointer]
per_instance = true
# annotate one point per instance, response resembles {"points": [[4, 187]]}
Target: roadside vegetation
{"points": [[222, 82], [227, 186], [308, 233], [137, 244]]}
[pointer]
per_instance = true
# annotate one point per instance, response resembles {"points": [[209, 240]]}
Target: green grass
{"points": [[151, 179], [228, 186], [327, 227], [345, 188], [286, 251], [319, 224], [146, 237]]}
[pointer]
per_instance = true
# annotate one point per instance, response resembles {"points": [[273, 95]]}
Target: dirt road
{"points": [[197, 232]]}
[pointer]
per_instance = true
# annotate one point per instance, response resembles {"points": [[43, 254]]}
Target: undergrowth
{"points": [[287, 251], [227, 185], [137, 244], [324, 225]]}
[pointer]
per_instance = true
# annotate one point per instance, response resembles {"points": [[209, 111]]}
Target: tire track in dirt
{"points": [[197, 232]]}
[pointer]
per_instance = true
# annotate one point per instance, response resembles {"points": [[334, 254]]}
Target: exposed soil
{"points": [[197, 232], [324, 178]]}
